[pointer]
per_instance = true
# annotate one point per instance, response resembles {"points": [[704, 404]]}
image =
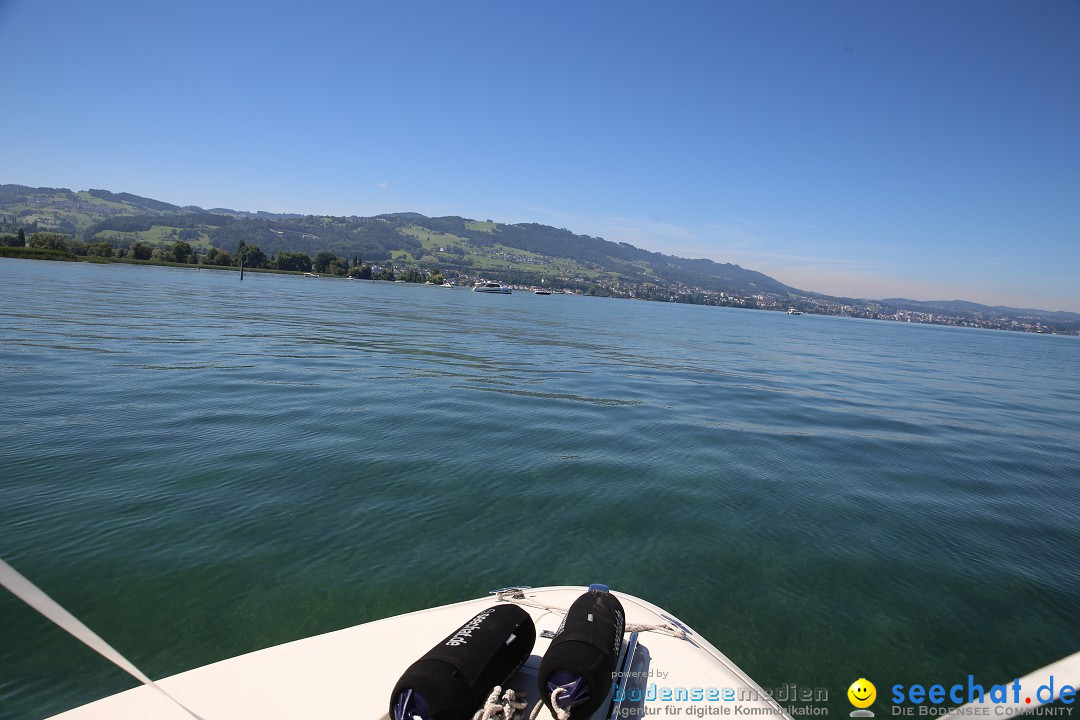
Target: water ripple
{"points": [[327, 453]]}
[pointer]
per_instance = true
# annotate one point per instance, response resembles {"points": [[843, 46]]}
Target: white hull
{"points": [[349, 674], [492, 287]]}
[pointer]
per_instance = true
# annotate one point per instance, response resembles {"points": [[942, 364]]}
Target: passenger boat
{"points": [[488, 286]]}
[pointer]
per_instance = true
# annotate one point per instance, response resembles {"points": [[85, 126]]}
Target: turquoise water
{"points": [[198, 467]]}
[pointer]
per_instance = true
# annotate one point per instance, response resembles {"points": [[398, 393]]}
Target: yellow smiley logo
{"points": [[862, 693]]}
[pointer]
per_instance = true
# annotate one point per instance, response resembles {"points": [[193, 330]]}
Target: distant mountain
{"points": [[142, 203], [524, 253], [406, 216], [258, 213], [956, 307]]}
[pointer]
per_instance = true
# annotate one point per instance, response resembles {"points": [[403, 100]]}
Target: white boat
{"points": [[541, 292], [351, 673], [447, 284], [636, 657], [793, 311], [492, 287]]}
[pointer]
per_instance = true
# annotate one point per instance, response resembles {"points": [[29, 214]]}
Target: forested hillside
{"points": [[525, 253], [58, 223]]}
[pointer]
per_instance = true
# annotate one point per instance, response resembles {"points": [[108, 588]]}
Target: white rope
{"points": [[501, 705], [662, 628], [506, 706], [560, 712], [536, 709], [36, 598], [491, 702], [511, 706], [515, 596]]}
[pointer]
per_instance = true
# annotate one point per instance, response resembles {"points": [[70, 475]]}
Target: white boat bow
{"points": [[350, 673]]}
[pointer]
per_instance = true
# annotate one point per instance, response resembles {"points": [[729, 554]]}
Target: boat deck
{"points": [[350, 673]]}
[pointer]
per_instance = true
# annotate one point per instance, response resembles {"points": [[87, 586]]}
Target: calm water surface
{"points": [[198, 467]]}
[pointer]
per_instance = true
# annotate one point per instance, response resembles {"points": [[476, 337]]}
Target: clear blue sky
{"points": [[876, 149]]}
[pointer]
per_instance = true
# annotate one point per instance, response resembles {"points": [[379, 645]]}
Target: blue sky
{"points": [[876, 149]]}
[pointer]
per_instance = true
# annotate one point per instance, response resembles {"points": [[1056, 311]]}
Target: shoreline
{"points": [[906, 318]]}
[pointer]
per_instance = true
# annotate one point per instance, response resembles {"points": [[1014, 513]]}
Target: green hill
{"points": [[523, 253], [96, 222]]}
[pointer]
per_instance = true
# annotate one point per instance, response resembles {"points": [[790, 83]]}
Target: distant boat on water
{"points": [[793, 311], [492, 287]]}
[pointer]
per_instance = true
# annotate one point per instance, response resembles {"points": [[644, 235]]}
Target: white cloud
{"points": [[382, 185]]}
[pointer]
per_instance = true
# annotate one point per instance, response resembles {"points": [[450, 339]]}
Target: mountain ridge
{"points": [[529, 251], [961, 305], [526, 253]]}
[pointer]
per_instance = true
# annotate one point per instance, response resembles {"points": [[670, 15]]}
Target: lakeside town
{"points": [[101, 226], [329, 265], [991, 318]]}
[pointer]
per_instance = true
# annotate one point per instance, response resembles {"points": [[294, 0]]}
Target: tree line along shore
{"points": [[180, 253], [57, 246]]}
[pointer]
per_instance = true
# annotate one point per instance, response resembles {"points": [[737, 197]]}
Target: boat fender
{"points": [[582, 655], [453, 679]]}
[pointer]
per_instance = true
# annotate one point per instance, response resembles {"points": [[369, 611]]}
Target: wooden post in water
{"points": [[240, 252]]}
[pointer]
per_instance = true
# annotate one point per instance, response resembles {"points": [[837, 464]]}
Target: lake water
{"points": [[198, 467]]}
